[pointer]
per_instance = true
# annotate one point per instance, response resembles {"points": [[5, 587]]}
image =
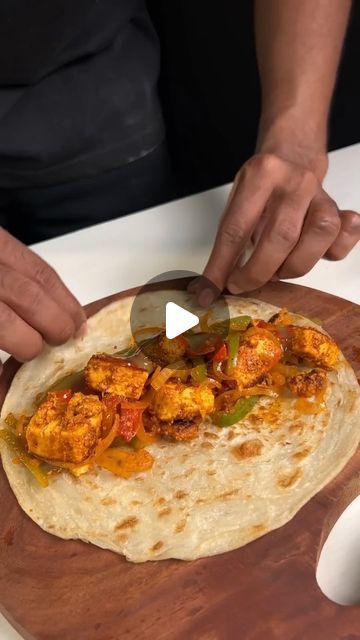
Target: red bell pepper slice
{"points": [[263, 324], [111, 403], [221, 354], [130, 420]]}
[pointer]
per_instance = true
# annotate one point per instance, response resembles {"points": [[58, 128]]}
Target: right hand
{"points": [[35, 305], [292, 222]]}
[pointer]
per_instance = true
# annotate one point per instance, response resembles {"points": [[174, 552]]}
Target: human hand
{"points": [[35, 305], [280, 208]]}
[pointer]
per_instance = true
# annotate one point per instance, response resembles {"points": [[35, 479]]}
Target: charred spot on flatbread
{"points": [[286, 480], [180, 494], [228, 494], [247, 449], [180, 526], [127, 523], [302, 454], [108, 502], [258, 529]]}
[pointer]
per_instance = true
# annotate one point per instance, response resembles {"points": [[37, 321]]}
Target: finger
{"points": [[29, 301], [259, 229], [253, 188], [286, 212], [194, 285], [197, 284], [16, 337], [321, 227], [348, 236], [16, 255]]}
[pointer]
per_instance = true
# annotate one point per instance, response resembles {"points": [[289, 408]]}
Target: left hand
{"points": [[281, 208]]}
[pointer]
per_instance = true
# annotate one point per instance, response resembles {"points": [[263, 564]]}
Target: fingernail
{"points": [[206, 298], [82, 331], [234, 288]]}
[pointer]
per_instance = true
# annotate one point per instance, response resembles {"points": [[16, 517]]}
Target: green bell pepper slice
{"points": [[233, 347], [239, 323], [242, 407], [199, 371], [16, 446]]}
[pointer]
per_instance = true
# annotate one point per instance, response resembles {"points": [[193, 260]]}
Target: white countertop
{"points": [[123, 253]]}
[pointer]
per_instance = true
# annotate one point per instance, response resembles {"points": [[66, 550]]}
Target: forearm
{"points": [[298, 47]]}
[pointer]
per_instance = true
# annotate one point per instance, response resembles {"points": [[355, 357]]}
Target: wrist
{"points": [[296, 139]]}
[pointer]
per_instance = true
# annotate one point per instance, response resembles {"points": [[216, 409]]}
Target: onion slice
{"points": [[178, 369]]}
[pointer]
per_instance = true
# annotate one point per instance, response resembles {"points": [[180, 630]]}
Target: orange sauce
{"points": [[124, 463], [311, 407], [285, 370]]}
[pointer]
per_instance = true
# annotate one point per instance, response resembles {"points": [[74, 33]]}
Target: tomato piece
{"points": [[263, 324], [111, 404], [221, 354], [130, 420]]}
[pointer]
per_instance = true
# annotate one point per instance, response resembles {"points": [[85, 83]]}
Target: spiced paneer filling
{"points": [[124, 403]]}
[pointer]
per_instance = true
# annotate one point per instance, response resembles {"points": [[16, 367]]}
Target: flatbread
{"points": [[204, 497]]}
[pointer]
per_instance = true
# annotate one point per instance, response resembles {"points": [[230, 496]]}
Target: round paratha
{"points": [[213, 494]]}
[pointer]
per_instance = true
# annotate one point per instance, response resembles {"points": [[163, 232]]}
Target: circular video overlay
{"points": [[169, 310]]}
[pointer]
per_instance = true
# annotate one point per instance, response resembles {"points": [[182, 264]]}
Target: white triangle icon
{"points": [[178, 320]]}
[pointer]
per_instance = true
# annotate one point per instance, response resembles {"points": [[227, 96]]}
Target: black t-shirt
{"points": [[78, 90]]}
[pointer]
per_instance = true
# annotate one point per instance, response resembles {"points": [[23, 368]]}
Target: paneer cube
{"points": [[177, 401], [181, 431], [65, 431], [173, 349], [308, 384], [283, 317], [257, 354], [116, 376], [314, 345], [164, 351]]}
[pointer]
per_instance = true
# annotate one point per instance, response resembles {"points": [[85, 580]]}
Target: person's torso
{"points": [[77, 88]]}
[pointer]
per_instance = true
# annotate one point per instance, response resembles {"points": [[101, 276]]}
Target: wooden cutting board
{"points": [[52, 589]]}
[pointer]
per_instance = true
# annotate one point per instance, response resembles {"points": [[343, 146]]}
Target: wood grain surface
{"points": [[52, 589]]}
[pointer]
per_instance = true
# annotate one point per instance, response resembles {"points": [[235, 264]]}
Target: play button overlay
{"points": [[178, 320], [165, 309]]}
